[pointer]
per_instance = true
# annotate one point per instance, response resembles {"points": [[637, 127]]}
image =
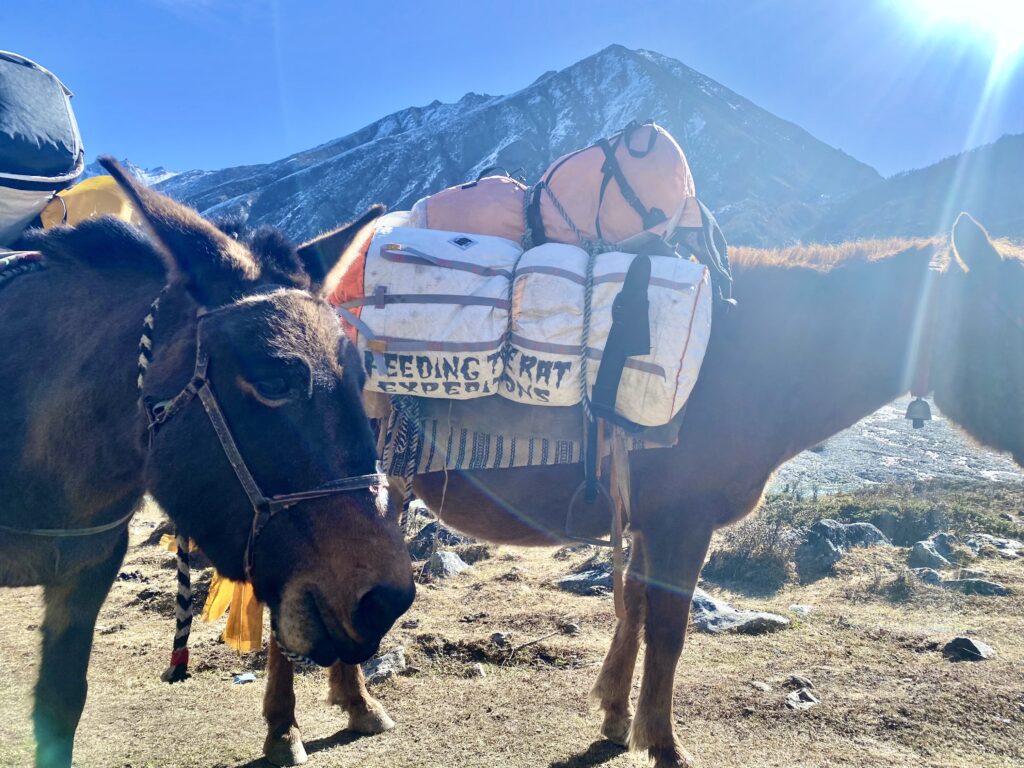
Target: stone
{"points": [[570, 629], [444, 565], [385, 666], [797, 682], [1008, 517], [800, 610], [827, 541], [423, 543], [501, 639], [976, 587], [925, 555], [1011, 549], [928, 575], [760, 686], [716, 616], [801, 699], [967, 649], [476, 670], [971, 573], [410, 624], [246, 677], [595, 581]]}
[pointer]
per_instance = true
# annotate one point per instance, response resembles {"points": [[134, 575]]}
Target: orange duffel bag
{"points": [[492, 205], [633, 182]]}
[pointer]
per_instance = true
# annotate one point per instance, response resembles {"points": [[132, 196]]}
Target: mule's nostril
{"points": [[378, 609]]}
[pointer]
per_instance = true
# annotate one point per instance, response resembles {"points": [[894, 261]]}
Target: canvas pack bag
{"points": [[492, 205], [635, 182], [41, 150]]}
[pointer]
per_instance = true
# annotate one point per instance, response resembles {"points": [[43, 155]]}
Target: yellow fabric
{"points": [[90, 199], [244, 630]]}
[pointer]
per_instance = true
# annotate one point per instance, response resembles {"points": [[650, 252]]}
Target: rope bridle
{"points": [[199, 386]]}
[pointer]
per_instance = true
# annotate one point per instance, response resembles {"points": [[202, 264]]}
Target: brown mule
{"points": [[249, 389], [822, 337]]}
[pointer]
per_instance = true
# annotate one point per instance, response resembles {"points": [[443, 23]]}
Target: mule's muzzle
{"points": [[374, 615]]}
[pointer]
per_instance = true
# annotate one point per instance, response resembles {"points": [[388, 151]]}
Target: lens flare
{"points": [[997, 24]]}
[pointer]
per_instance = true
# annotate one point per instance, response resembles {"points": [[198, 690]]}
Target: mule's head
{"points": [[334, 571], [978, 367]]}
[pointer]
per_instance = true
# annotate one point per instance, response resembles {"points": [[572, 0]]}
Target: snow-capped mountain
{"points": [[148, 176], [767, 179]]}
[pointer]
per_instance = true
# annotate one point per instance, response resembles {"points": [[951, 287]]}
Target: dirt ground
{"points": [[888, 696]]}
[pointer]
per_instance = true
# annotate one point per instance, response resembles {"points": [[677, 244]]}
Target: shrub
{"points": [[755, 555]]}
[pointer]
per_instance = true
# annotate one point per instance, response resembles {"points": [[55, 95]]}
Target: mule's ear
{"points": [[213, 267], [973, 247], [323, 252]]}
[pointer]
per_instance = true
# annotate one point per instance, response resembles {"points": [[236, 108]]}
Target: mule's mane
{"points": [[822, 257]]}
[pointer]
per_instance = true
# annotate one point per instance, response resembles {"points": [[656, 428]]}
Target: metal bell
{"points": [[919, 412]]}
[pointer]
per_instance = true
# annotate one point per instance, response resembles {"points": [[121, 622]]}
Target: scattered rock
{"points": [[827, 541], [758, 685], [501, 639], [113, 628], [385, 666], [471, 618], [423, 543], [596, 581], [972, 573], [925, 555], [444, 565], [748, 711], [1008, 517], [801, 699], [476, 670], [473, 553], [247, 677], [715, 616], [132, 576], [516, 574], [796, 682], [967, 649], [800, 610], [570, 629], [976, 587], [565, 553], [981, 543], [928, 575], [410, 624]]}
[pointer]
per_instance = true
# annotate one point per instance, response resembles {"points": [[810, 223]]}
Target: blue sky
{"points": [[210, 83]]}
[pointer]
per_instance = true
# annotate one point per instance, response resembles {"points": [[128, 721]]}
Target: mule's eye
{"points": [[272, 389]]}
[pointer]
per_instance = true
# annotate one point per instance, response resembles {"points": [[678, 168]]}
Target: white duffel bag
{"points": [[543, 366], [435, 311]]}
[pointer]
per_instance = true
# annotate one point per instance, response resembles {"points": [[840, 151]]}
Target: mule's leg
{"points": [[614, 683], [283, 745], [348, 691], [673, 566], [68, 626]]}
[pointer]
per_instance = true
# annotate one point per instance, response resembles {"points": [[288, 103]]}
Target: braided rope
{"points": [[18, 264], [178, 669], [183, 605]]}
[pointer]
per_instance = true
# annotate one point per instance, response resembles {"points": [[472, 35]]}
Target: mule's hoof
{"points": [[616, 729], [286, 749], [370, 722], [672, 757]]}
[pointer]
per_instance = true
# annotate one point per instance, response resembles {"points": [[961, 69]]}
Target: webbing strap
{"points": [[611, 169]]}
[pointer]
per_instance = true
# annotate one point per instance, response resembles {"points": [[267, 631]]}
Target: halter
{"points": [[264, 507]]}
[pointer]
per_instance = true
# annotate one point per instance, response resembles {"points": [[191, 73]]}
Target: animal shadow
{"points": [[598, 753]]}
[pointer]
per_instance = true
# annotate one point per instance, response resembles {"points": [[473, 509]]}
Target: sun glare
{"points": [[999, 24]]}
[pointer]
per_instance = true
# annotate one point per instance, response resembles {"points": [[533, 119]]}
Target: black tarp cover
{"points": [[40, 147]]}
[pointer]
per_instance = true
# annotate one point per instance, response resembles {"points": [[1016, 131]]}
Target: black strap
{"points": [[630, 335], [611, 169]]}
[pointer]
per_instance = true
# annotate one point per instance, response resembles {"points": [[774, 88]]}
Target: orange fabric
{"points": [[661, 179], [492, 206], [350, 284], [244, 630]]}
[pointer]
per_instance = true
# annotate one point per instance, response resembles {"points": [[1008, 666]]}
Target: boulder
{"points": [[444, 565], [1011, 549], [827, 541], [925, 555], [928, 575], [716, 616], [594, 581], [968, 649], [385, 666], [801, 699], [976, 587], [423, 543]]}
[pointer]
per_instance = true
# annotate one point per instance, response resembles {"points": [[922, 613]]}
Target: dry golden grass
{"points": [[887, 696]]}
